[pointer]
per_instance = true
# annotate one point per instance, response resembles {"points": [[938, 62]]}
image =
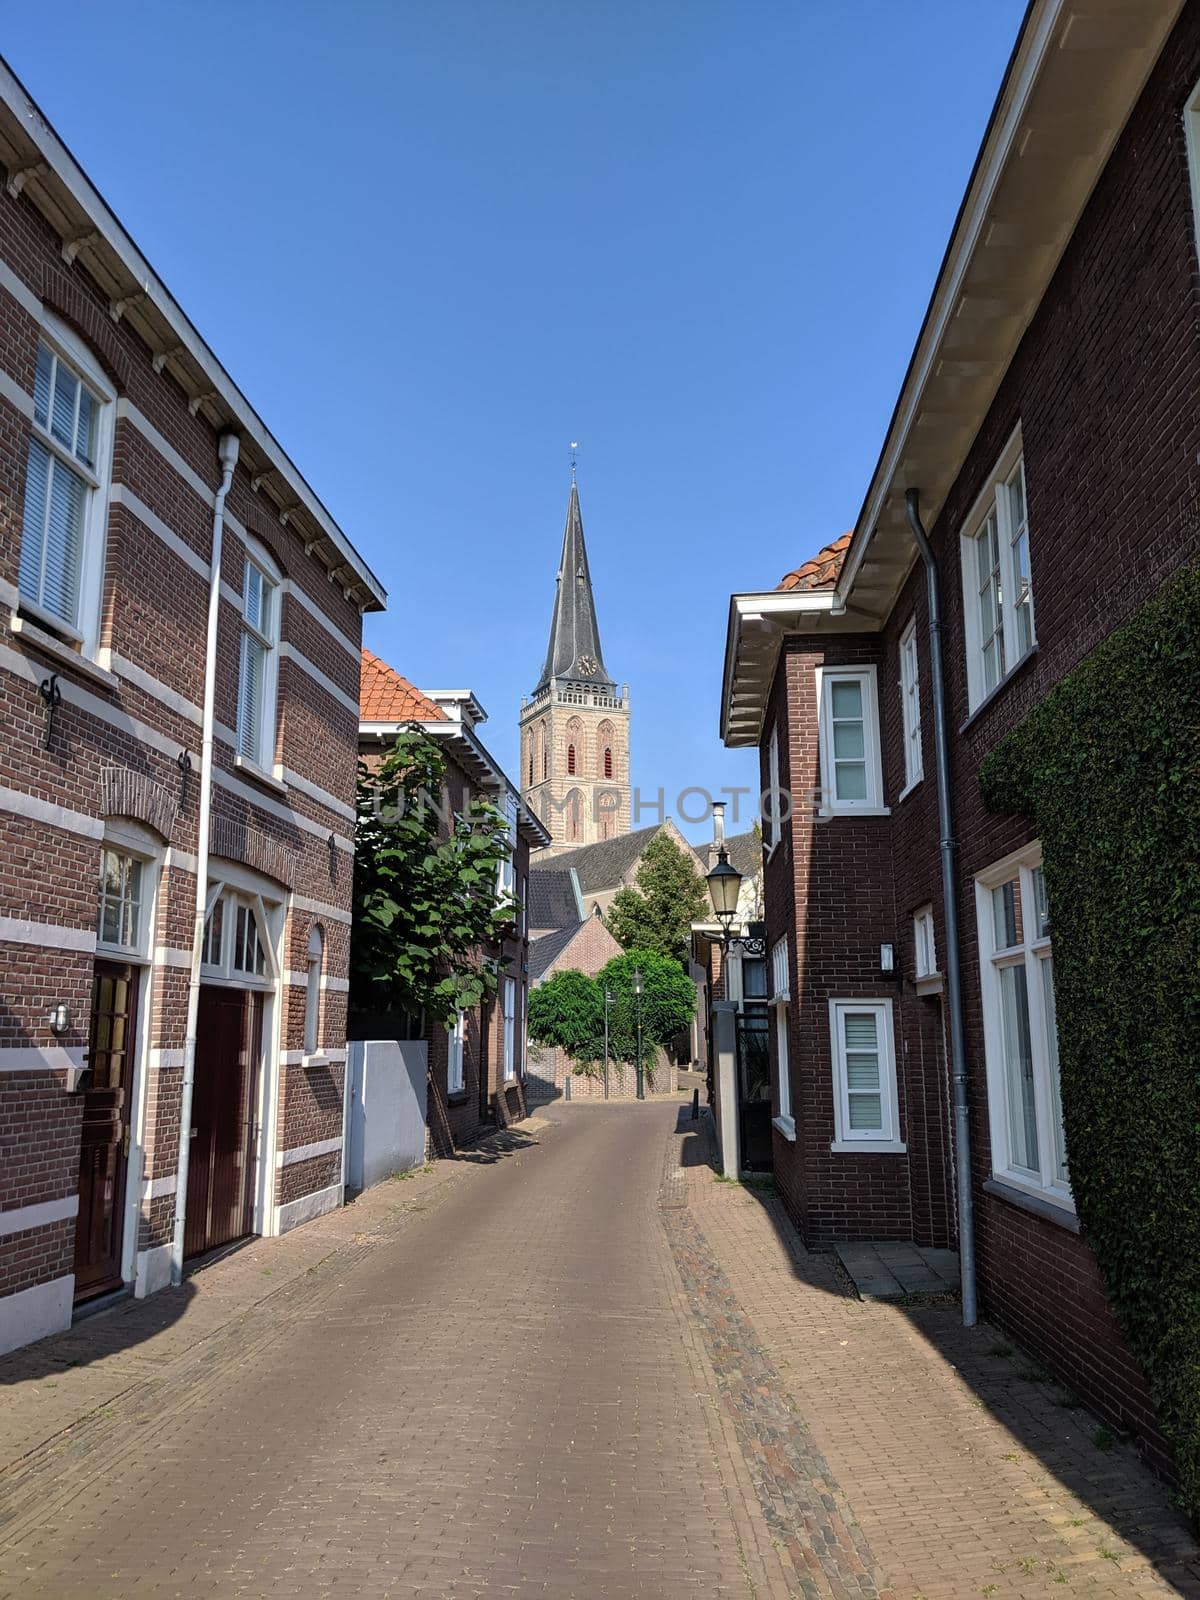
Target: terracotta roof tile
{"points": [[384, 696], [822, 571]]}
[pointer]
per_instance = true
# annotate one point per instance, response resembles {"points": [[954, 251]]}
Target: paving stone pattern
{"points": [[571, 1365]]}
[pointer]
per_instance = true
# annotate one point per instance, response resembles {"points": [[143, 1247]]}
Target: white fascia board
{"points": [[71, 175], [460, 699], [1019, 81], [779, 606]]}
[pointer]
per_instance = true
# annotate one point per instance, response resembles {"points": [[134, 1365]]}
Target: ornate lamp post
{"points": [[724, 886], [637, 995]]}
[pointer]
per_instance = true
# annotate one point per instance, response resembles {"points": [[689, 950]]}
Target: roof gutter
{"points": [[949, 855]]}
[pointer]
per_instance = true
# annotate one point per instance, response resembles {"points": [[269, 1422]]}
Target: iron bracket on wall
{"points": [[184, 762], [52, 695]]}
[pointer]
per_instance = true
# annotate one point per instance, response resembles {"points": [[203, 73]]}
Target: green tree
{"points": [[568, 1010], [668, 1002], [669, 897], [426, 889]]}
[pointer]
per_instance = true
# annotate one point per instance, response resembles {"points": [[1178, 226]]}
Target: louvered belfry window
{"points": [[61, 479]]}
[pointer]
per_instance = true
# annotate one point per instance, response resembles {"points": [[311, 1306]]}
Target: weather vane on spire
{"points": [[574, 448]]}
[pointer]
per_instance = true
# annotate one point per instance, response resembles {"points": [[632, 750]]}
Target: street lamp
{"points": [[641, 1071], [724, 886]]}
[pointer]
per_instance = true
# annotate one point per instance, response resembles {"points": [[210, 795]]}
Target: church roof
{"points": [[553, 899], [385, 696], [574, 648], [606, 863]]}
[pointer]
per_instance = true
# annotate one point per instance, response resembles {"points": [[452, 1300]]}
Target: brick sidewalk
{"points": [[915, 1457], [571, 1364]]}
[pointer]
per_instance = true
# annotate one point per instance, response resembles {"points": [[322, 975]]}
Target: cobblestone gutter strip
{"points": [[804, 1508]]}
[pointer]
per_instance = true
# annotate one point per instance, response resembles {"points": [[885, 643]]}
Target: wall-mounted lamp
{"points": [[60, 1019], [887, 960]]}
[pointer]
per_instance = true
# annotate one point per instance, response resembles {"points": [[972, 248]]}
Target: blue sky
{"points": [[434, 242]]}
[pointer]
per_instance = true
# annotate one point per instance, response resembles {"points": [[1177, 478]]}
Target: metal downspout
{"points": [[949, 854], [227, 451]]}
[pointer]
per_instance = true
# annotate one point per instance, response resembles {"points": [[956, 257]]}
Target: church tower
{"points": [[575, 724]]}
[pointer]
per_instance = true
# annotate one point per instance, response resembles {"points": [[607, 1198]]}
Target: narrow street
{"points": [[650, 1391]]}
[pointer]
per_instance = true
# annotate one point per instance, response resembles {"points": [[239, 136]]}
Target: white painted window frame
{"points": [[507, 872], [456, 1055], [262, 758], [315, 969], [781, 994], [268, 917], [509, 1013], [1030, 952], [857, 1141], [771, 823], [872, 805], [70, 349], [993, 497], [909, 677], [927, 976]]}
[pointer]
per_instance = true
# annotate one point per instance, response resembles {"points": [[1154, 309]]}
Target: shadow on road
{"points": [[1085, 1457]]}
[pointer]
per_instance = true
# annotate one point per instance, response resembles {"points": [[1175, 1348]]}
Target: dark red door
{"points": [[220, 1199], [104, 1139]]}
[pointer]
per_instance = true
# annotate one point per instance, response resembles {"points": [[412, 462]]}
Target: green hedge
{"points": [[1108, 766]]}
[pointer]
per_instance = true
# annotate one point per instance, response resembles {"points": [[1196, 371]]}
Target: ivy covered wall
{"points": [[1108, 766]]}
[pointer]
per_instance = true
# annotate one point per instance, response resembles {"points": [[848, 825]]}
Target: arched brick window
{"points": [[605, 740]]}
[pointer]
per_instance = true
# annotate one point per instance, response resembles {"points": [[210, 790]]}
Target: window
{"points": [[848, 735], [119, 924], [910, 706], [780, 996], [608, 761], [997, 580], [507, 879], [864, 1076], [239, 941], [1020, 1030], [771, 810], [258, 666], [312, 994], [62, 534], [571, 759], [455, 1075], [510, 1028], [924, 951]]}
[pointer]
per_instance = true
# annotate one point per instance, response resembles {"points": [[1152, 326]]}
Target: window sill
{"points": [[931, 983], [848, 813], [1037, 1205], [909, 787], [458, 1097], [993, 694], [34, 638], [319, 1058], [253, 770], [786, 1126], [869, 1147]]}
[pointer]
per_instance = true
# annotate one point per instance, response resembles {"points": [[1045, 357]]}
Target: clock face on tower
{"points": [[586, 666]]}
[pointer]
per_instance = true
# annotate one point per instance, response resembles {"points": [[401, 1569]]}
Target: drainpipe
{"points": [[949, 853], [227, 450]]}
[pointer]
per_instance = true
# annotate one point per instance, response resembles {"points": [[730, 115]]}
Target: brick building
{"points": [[581, 944], [477, 1069], [179, 671], [1048, 426]]}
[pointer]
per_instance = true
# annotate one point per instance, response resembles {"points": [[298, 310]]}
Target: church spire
{"points": [[574, 648]]}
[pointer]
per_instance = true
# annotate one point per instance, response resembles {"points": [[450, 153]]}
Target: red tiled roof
{"points": [[822, 571], [384, 696]]}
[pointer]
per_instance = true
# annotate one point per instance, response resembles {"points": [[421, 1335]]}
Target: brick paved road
{"points": [[578, 1370]]}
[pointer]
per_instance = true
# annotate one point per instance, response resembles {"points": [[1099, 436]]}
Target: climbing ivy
{"points": [[1108, 766]]}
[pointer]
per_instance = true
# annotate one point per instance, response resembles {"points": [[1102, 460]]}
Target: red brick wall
{"points": [[1104, 387], [152, 615]]}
